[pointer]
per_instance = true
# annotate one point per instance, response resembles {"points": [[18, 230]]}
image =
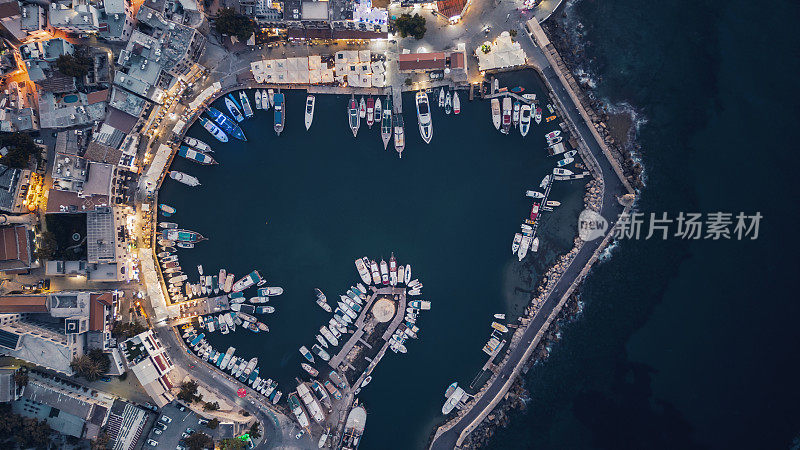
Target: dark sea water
{"points": [[301, 207], [688, 344]]}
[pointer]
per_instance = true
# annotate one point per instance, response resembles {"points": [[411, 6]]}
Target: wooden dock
{"points": [[510, 94]]}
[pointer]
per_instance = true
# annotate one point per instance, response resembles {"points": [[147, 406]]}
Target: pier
{"points": [[509, 94]]}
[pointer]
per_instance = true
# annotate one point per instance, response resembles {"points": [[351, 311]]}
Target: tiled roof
{"points": [[451, 8], [10, 304], [422, 61]]}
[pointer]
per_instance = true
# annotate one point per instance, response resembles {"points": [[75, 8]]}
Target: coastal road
{"points": [[275, 430], [610, 210]]}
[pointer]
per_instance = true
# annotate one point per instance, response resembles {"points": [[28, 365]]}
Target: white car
{"points": [[157, 431], [165, 419], [152, 443]]}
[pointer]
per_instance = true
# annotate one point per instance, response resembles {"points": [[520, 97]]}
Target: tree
{"points": [[33, 433], [213, 423], [254, 431], [92, 365], [101, 443], [123, 331], [233, 24], [189, 393], [513, 32], [21, 378], [199, 441], [232, 444], [75, 65], [411, 26], [47, 246], [211, 406], [20, 149]]}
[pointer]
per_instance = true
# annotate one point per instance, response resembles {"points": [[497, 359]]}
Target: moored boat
{"points": [[441, 98], [309, 111], [537, 115], [534, 194], [212, 128], [233, 107], [562, 172], [399, 134], [378, 110], [424, 116], [226, 123], [524, 120], [180, 235], [448, 103], [258, 99], [280, 112], [306, 354], [251, 279], [456, 103], [248, 111], [166, 210], [197, 144], [370, 112], [386, 122], [270, 98], [195, 156], [496, 115], [308, 368], [184, 178], [516, 243], [352, 115], [515, 114], [362, 108], [506, 126]]}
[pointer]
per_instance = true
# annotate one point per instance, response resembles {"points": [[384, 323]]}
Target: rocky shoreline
{"points": [[517, 397], [617, 128]]}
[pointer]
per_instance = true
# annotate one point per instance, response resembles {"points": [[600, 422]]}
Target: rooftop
{"points": [[15, 304], [101, 238]]}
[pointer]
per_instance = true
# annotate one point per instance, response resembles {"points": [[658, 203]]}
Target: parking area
{"points": [[174, 422]]}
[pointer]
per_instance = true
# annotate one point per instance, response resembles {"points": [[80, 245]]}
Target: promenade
{"points": [[454, 433]]}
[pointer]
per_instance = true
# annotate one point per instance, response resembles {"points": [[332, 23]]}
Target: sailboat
{"points": [[456, 103], [448, 103], [309, 111], [386, 123], [399, 134], [352, 115], [370, 112], [424, 116]]}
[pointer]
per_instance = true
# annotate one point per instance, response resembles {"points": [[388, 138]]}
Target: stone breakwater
{"points": [[616, 130], [517, 397], [593, 199]]}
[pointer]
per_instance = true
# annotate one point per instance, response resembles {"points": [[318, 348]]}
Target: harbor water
{"points": [[300, 208]]}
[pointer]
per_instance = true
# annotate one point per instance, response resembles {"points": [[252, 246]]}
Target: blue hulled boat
{"points": [[226, 123], [234, 108], [280, 113]]}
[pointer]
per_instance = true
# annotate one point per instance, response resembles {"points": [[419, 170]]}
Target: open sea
{"points": [[687, 344], [300, 208]]}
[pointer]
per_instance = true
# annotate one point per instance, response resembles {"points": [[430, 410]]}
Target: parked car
{"points": [[165, 419], [152, 443], [157, 431]]}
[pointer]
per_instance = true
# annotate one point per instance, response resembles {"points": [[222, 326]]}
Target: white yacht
{"points": [[524, 120], [309, 111], [424, 116], [496, 113]]}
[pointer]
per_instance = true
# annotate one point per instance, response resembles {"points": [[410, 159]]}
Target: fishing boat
{"points": [[248, 111], [448, 103], [319, 351], [180, 235], [251, 279], [352, 115], [166, 210], [306, 354], [515, 244], [328, 335], [212, 128], [506, 115], [378, 110], [534, 212], [420, 304], [537, 115], [386, 121], [226, 123], [535, 245], [561, 172], [197, 144], [258, 300], [456, 103], [270, 99], [309, 111], [424, 116], [362, 108], [500, 327], [408, 273], [184, 178], [228, 283], [496, 116], [525, 120], [280, 112], [399, 135], [500, 316], [258, 99], [354, 428], [515, 114], [311, 371], [233, 107], [195, 156], [262, 326], [167, 225], [332, 390], [370, 112], [441, 98]]}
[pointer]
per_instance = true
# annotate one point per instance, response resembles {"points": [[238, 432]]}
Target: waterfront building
{"points": [[452, 10], [61, 106], [147, 358], [502, 53]]}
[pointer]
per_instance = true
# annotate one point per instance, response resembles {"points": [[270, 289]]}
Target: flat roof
{"points": [[71, 202], [422, 61]]}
